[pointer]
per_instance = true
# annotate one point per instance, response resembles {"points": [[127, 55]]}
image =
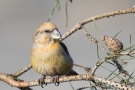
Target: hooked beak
{"points": [[56, 34]]}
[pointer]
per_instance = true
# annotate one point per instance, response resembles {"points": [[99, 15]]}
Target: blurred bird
{"points": [[112, 43], [49, 56]]}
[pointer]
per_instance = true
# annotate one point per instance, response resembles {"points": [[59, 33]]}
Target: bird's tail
{"points": [[72, 72]]}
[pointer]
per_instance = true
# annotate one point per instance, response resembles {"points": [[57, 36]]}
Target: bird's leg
{"points": [[56, 80], [41, 81]]}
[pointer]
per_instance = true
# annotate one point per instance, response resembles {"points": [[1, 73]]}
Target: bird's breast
{"points": [[50, 60]]}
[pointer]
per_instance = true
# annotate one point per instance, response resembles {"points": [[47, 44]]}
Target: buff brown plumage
{"points": [[49, 56]]}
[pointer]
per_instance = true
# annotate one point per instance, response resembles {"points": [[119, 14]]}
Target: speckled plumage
{"points": [[112, 43]]}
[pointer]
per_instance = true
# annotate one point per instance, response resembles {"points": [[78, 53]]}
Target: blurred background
{"points": [[20, 18]]}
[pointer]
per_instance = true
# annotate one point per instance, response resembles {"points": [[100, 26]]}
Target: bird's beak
{"points": [[56, 34]]}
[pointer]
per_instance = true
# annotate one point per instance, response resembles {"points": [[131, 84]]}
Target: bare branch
{"points": [[9, 80], [78, 26], [88, 69], [86, 77], [112, 83], [23, 70], [20, 72], [127, 53], [100, 62], [94, 40]]}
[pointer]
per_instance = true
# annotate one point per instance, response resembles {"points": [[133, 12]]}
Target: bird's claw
{"points": [[41, 81], [56, 80]]}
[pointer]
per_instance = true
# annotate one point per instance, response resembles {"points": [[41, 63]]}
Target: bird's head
{"points": [[46, 33]]}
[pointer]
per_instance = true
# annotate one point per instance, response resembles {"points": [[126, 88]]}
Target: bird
{"points": [[113, 44], [49, 56]]}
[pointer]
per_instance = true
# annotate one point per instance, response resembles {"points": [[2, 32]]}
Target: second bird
{"points": [[49, 56]]}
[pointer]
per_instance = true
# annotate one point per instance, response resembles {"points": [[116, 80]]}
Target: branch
{"points": [[86, 77], [23, 70], [11, 81], [94, 40], [115, 13], [101, 62], [112, 83], [127, 53], [87, 69], [20, 72], [107, 58]]}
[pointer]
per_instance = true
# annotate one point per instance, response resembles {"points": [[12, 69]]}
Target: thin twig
{"points": [[127, 53], [78, 25], [20, 72], [88, 69], [107, 58], [100, 62], [23, 70], [94, 40]]}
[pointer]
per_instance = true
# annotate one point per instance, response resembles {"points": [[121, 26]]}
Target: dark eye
{"points": [[47, 31]]}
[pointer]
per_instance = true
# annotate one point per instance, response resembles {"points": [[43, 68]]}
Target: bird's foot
{"points": [[56, 80], [41, 81]]}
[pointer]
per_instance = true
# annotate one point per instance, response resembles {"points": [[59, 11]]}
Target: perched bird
{"points": [[49, 56], [112, 43]]}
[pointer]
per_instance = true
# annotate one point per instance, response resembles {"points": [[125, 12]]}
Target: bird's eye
{"points": [[47, 31]]}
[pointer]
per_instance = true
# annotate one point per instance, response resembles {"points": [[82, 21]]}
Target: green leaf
{"points": [[97, 38], [117, 75], [71, 85], [58, 5], [130, 42], [66, 13], [130, 77], [51, 14], [117, 34]]}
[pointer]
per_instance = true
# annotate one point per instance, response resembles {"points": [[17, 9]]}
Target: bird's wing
{"points": [[64, 47], [72, 72]]}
